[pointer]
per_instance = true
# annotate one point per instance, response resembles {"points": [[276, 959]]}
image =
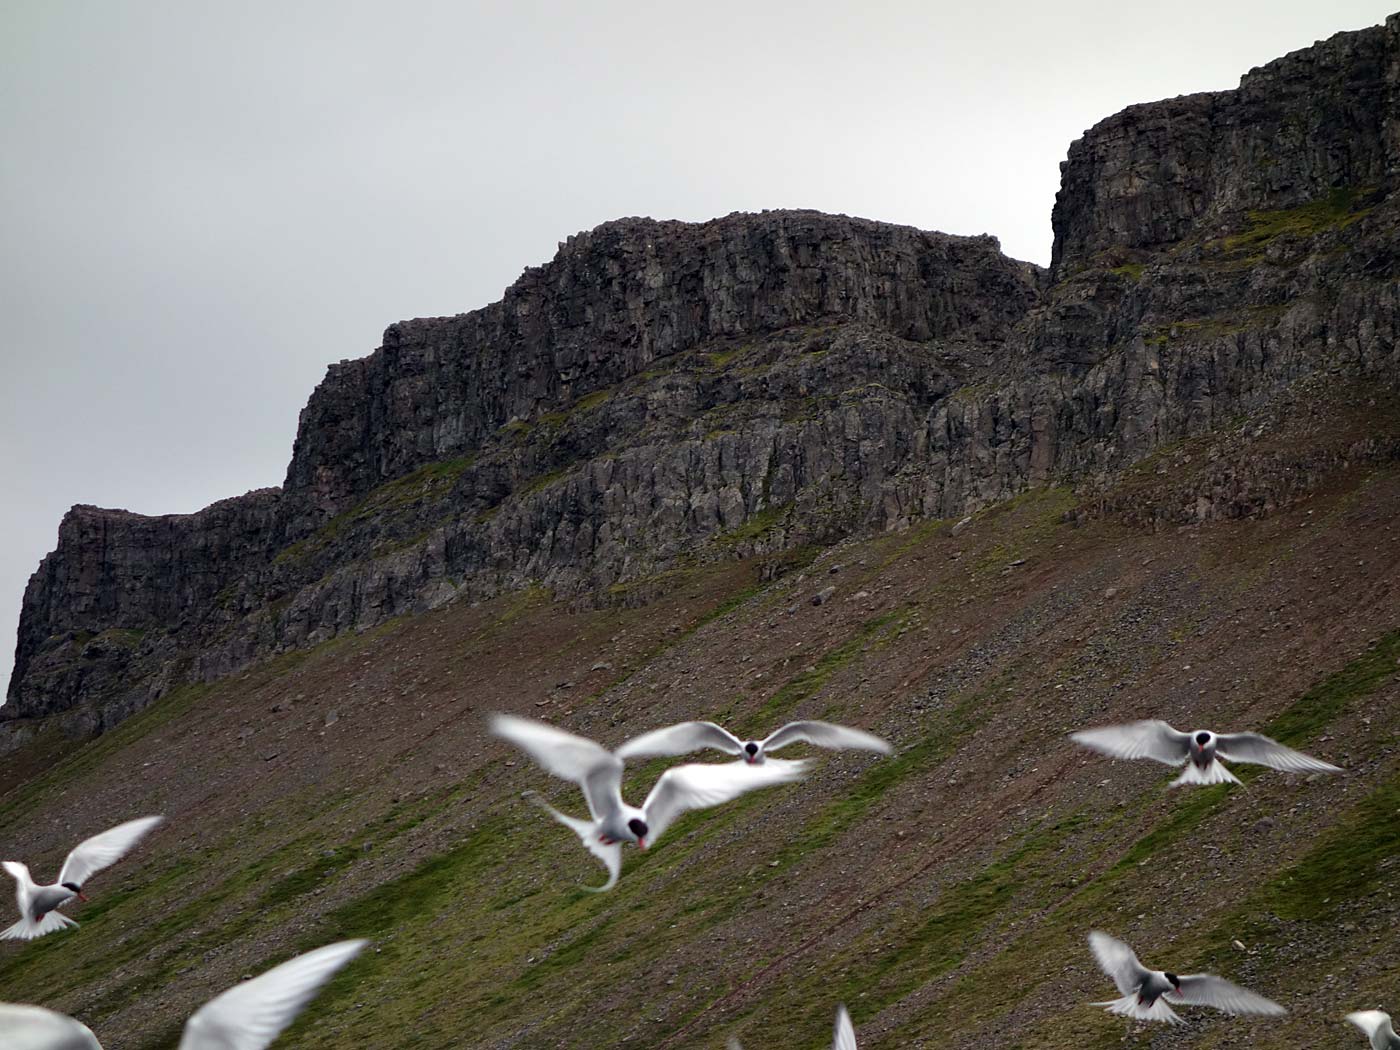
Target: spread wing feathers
{"points": [[19, 872], [845, 1038], [1377, 1027], [589, 765], [1215, 773], [249, 1016], [1131, 1006], [586, 830], [1205, 989], [27, 929], [1252, 747], [699, 786], [1118, 961], [1152, 738], [92, 855], [681, 739], [825, 734], [32, 1028]]}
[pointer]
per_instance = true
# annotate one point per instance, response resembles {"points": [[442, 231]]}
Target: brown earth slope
{"points": [[943, 893]]}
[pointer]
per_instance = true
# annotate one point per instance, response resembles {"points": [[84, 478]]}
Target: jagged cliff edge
{"points": [[662, 392]]}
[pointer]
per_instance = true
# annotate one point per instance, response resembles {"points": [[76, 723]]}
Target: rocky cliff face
{"points": [[663, 392]]}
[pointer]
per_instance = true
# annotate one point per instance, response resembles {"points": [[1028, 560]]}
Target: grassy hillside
{"points": [[943, 893]]}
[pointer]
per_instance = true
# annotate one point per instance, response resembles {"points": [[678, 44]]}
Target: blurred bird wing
{"points": [[1206, 989], [681, 739], [101, 851], [826, 734], [33, 1028], [845, 1038], [586, 830], [1118, 961], [1377, 1027], [1152, 738], [593, 768], [249, 1016], [699, 786], [1253, 747]]}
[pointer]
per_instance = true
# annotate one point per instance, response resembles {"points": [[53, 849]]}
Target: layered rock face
{"points": [[663, 392]]}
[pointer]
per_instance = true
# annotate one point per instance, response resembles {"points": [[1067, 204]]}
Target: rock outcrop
{"points": [[663, 392]]}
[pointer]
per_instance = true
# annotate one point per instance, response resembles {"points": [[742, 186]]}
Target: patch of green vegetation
{"points": [[755, 526], [723, 358], [1342, 868], [1323, 703], [543, 481], [972, 392], [1129, 271], [431, 481], [576, 408], [1335, 211]]}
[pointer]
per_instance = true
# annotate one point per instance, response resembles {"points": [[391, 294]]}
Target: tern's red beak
{"points": [[80, 896], [641, 844]]}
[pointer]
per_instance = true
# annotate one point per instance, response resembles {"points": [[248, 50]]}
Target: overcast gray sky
{"points": [[201, 205]]}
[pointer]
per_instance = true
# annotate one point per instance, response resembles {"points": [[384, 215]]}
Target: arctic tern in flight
{"points": [[38, 904], [599, 773], [1200, 750], [249, 1016], [1376, 1025], [1147, 993], [684, 737]]}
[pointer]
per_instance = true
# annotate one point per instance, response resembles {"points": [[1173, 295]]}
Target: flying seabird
{"points": [[599, 773], [1376, 1025], [1201, 750], [685, 737], [38, 904], [1146, 993]]}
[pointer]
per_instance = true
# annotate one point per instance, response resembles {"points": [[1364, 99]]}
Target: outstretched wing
{"points": [[101, 851], [1376, 1026], [1118, 961], [1253, 747], [1206, 989], [699, 786], [845, 1038], [586, 830], [249, 1016], [681, 739], [590, 766], [33, 1028], [826, 734], [1151, 738]]}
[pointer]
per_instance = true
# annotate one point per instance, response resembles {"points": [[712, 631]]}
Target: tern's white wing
{"points": [[249, 1016], [1252, 747], [845, 1035], [92, 855], [1206, 989], [32, 1028], [1376, 1024], [1148, 739], [576, 758], [825, 734], [587, 831], [699, 786], [1118, 961], [681, 739]]}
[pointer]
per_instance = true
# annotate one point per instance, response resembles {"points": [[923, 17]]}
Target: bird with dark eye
{"points": [[1199, 751], [1147, 994], [39, 904], [638, 828], [685, 737]]}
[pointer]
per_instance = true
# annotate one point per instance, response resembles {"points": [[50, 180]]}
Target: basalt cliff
{"points": [[663, 394]]}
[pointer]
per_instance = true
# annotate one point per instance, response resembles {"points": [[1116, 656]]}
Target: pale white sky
{"points": [[201, 208]]}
